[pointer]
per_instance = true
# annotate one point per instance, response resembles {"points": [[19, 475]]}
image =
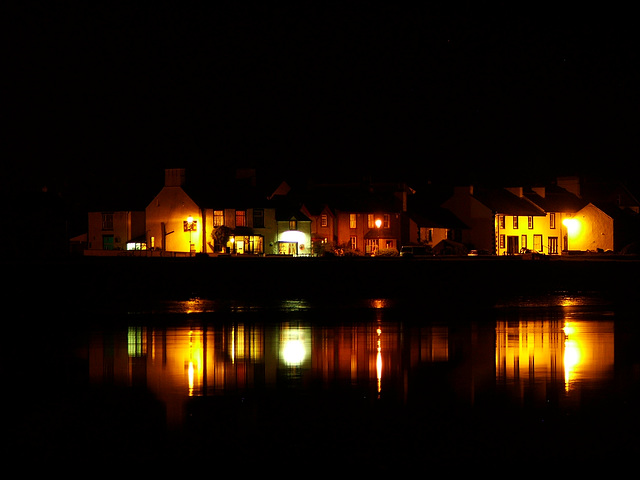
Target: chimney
{"points": [[517, 191], [541, 191], [570, 184], [174, 177]]}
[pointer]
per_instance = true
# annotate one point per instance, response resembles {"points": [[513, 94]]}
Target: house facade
{"points": [[540, 220], [120, 230], [367, 219], [174, 221]]}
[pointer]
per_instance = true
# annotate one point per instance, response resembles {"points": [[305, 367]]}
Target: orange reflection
{"points": [[541, 352]]}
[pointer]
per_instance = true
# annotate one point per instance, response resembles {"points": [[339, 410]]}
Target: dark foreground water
{"points": [[545, 384]]}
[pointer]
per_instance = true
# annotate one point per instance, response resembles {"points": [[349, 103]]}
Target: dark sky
{"points": [[427, 92]]}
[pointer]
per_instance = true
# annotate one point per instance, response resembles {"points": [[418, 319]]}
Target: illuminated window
{"points": [[258, 218], [107, 221], [293, 224], [501, 241], [515, 222], [537, 243], [152, 240], [530, 222], [524, 241], [386, 220], [552, 220], [352, 220], [218, 218], [241, 218], [324, 220], [354, 242], [370, 220], [501, 222], [553, 245]]}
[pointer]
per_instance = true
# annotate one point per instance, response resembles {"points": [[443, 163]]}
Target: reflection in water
{"points": [[386, 358], [543, 352], [371, 381]]}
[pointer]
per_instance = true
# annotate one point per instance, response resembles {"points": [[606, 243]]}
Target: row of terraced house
{"points": [[363, 219]]}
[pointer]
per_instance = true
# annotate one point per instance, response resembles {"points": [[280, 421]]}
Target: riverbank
{"points": [[463, 280]]}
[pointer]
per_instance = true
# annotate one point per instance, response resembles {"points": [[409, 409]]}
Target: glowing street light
{"points": [[190, 225], [378, 223]]}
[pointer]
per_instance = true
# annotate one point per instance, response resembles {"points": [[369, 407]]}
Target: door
{"points": [[288, 248], [512, 245]]}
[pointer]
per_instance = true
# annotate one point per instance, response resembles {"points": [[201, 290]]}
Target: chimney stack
{"points": [[174, 177]]}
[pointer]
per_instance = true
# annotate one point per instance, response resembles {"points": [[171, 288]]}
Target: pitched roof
{"points": [[501, 200], [556, 199]]}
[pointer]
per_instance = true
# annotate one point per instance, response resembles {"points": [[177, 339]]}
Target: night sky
{"points": [[103, 98]]}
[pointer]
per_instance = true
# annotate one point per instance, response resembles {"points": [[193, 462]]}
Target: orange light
{"points": [[378, 223]]}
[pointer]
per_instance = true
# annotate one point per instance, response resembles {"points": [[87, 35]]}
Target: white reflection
{"points": [[293, 347], [293, 352]]}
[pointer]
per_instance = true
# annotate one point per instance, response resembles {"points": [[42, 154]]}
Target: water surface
{"points": [[373, 383]]}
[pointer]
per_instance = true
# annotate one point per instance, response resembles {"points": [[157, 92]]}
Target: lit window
{"points": [[370, 221], [530, 222], [524, 241], [324, 220], [501, 241], [501, 221], [241, 218], [552, 220], [218, 218], [515, 222], [293, 224], [354, 242], [352, 220]]}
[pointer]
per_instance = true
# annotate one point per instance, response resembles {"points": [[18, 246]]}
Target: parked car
{"points": [[415, 251]]}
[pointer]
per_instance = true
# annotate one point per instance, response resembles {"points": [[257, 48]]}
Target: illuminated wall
{"points": [[589, 229], [166, 216]]}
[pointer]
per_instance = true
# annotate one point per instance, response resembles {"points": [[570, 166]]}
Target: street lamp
{"points": [[190, 225]]}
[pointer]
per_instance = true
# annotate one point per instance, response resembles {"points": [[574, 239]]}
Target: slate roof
{"points": [[501, 200], [556, 199]]}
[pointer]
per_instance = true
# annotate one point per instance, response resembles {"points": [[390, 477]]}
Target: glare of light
{"points": [[293, 236], [378, 223], [189, 219], [293, 352], [573, 226]]}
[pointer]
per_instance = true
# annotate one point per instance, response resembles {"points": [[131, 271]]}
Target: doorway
{"points": [[513, 244]]}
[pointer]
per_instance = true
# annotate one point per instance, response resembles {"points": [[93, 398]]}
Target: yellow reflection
{"points": [[379, 362], [540, 351], [194, 361]]}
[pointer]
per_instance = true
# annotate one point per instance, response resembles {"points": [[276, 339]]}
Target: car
{"points": [[410, 251], [473, 253]]}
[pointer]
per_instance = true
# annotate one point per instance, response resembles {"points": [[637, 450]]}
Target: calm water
{"points": [[295, 386]]}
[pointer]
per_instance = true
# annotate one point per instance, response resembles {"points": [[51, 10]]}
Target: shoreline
{"points": [[462, 281]]}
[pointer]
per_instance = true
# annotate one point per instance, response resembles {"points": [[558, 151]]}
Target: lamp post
{"points": [[189, 225]]}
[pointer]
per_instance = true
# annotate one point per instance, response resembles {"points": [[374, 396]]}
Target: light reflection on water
{"points": [[369, 350], [256, 370]]}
